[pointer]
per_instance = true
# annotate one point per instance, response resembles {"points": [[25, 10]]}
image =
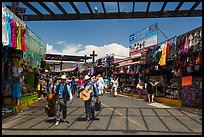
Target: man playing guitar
{"points": [[88, 92]]}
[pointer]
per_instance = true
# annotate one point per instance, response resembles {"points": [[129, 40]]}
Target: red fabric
{"points": [[13, 34], [167, 49], [80, 82], [23, 45]]}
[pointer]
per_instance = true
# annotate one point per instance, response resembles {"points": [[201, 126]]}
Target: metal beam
{"points": [[32, 8], [104, 9], [162, 9], [74, 7], [118, 8], [147, 11], [46, 8], [178, 7], [193, 7], [133, 9], [89, 7], [114, 15], [61, 8]]}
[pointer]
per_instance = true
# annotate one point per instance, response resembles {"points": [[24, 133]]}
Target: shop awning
{"points": [[68, 69], [127, 64]]}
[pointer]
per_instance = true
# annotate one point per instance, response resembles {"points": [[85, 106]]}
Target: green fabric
{"points": [[18, 36]]}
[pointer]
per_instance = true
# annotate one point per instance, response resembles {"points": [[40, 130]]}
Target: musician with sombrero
{"points": [[88, 92], [63, 94]]}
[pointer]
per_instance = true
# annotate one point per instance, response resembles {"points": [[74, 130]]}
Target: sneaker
{"points": [[87, 119], [57, 123]]}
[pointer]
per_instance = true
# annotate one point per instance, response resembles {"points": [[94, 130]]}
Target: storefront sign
{"points": [[143, 39]]}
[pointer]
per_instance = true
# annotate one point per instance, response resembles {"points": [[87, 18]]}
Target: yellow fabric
{"points": [[38, 86], [162, 61]]}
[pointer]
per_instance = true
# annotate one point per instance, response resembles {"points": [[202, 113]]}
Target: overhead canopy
{"points": [[66, 57], [133, 12]]}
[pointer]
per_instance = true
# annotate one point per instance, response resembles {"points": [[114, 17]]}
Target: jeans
{"points": [[90, 107], [61, 105]]}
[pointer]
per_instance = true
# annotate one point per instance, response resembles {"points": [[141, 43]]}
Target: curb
{"points": [[177, 104]]}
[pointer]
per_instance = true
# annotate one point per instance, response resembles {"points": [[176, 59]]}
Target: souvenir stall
{"points": [[150, 68], [176, 64], [13, 46], [190, 53], [128, 75]]}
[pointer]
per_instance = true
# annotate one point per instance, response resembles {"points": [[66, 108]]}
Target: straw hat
{"points": [[63, 77], [86, 77]]}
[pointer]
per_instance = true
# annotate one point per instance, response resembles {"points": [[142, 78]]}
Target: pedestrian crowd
{"points": [[88, 88]]}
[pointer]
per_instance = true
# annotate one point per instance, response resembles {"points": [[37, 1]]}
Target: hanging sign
{"points": [[186, 81], [143, 39]]}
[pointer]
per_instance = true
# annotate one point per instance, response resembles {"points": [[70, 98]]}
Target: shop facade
{"points": [[176, 64], [19, 61]]}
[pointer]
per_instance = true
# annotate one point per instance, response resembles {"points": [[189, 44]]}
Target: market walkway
{"points": [[119, 115]]}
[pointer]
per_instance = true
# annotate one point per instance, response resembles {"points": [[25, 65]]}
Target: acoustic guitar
{"points": [[85, 94]]}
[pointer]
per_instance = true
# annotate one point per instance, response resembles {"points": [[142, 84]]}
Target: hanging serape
{"points": [[23, 39], [162, 61], [18, 36], [13, 34]]}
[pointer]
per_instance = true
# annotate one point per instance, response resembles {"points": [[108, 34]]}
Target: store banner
{"points": [[36, 48], [32, 58], [34, 43], [143, 39]]}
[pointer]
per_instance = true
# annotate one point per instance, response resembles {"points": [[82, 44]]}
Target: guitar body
{"points": [[85, 94], [50, 107]]}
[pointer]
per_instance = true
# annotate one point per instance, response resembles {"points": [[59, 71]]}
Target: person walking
{"points": [[48, 80], [90, 103], [79, 83], [150, 90], [106, 82], [114, 86], [110, 83], [100, 83], [73, 85], [63, 94]]}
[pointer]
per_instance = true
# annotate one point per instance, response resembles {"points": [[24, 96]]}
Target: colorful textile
{"points": [[13, 34], [23, 39], [5, 38], [8, 27], [18, 36], [162, 61], [15, 90]]}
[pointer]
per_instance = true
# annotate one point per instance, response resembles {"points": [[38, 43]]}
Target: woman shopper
{"points": [[114, 86], [100, 84], [150, 90]]}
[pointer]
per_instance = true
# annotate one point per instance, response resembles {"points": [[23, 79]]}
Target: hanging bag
{"points": [[98, 106]]}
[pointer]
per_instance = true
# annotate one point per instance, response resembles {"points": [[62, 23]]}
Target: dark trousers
{"points": [[61, 105], [90, 107]]}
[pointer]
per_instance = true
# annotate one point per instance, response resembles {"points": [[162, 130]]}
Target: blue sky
{"points": [[105, 36]]}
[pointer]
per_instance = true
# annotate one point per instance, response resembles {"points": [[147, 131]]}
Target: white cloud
{"points": [[50, 50], [60, 42], [101, 51]]}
